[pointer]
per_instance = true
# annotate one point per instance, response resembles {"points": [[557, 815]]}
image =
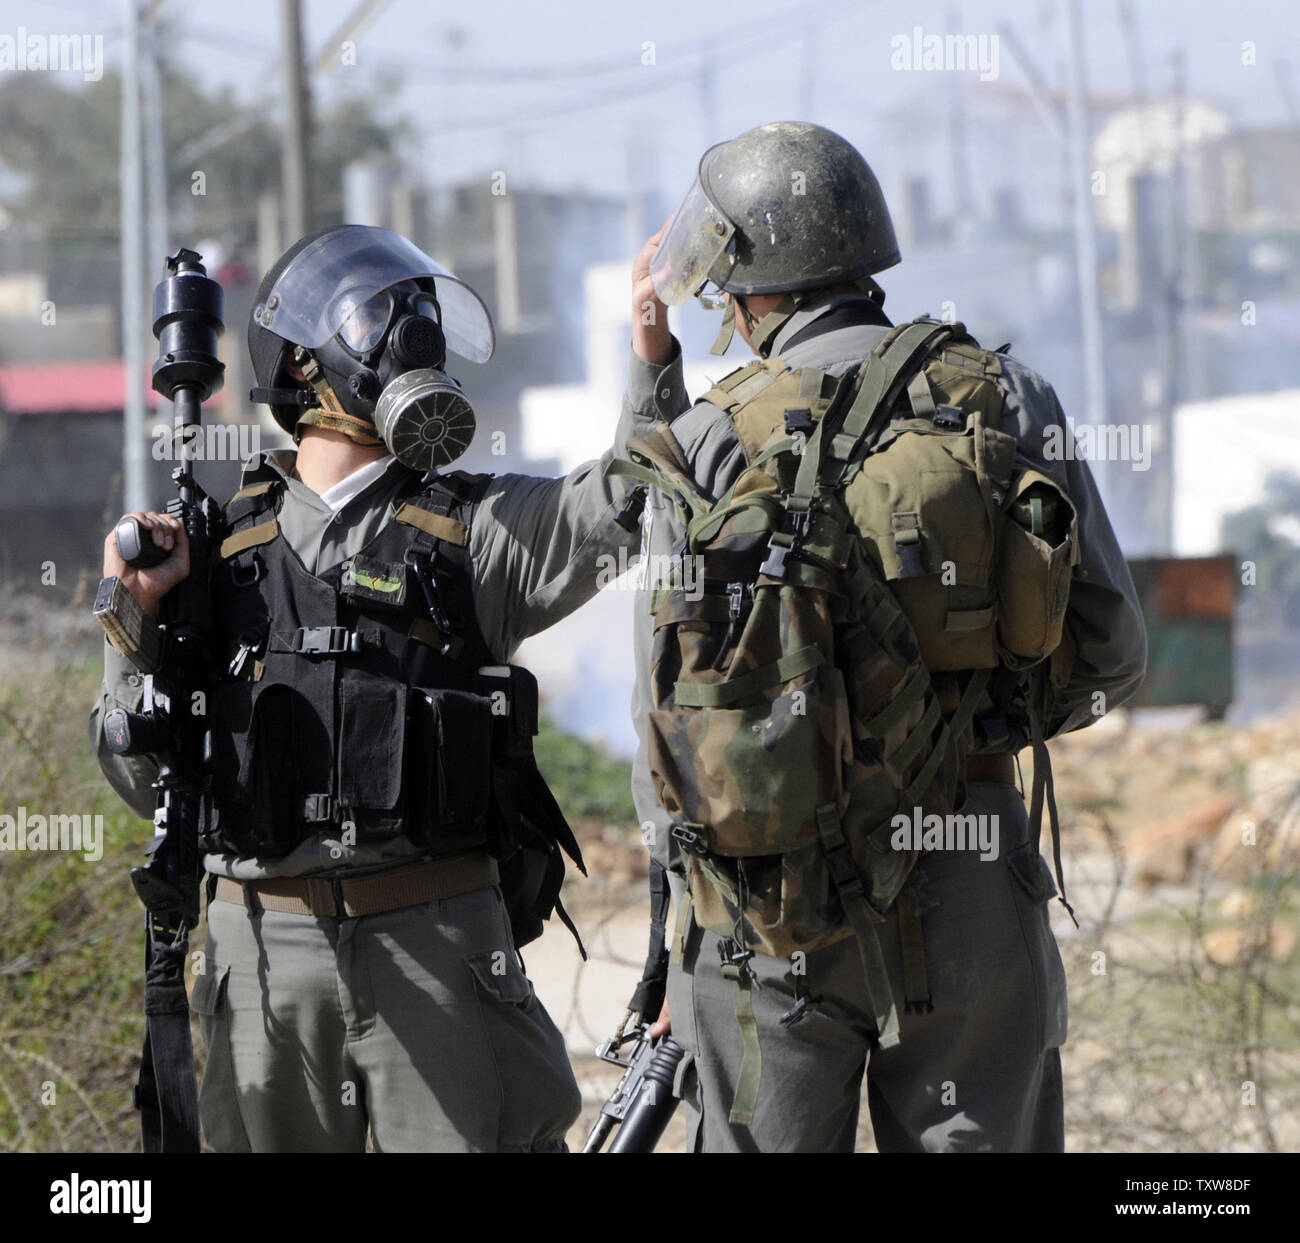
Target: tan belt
{"points": [[999, 767], [364, 895]]}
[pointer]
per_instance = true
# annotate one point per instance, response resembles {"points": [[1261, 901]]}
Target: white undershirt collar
{"points": [[358, 481]]}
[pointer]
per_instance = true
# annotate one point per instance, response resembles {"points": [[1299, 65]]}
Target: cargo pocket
{"points": [[209, 993], [498, 974], [372, 740], [1033, 887], [219, 1115], [448, 768], [539, 1098], [1038, 554], [253, 779]]}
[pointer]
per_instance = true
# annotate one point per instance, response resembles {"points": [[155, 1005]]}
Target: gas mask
{"points": [[370, 320], [385, 367]]}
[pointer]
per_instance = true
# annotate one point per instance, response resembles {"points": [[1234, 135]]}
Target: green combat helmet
{"points": [[784, 208]]}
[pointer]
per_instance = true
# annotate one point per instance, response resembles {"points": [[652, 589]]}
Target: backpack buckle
{"points": [[798, 419], [949, 418], [798, 519], [774, 566], [843, 870], [629, 516], [799, 1011], [687, 838], [732, 954]]}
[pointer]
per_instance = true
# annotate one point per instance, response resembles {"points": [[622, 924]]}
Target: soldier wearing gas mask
{"points": [[378, 838]]}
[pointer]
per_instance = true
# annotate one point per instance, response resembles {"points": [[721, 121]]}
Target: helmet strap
{"points": [[761, 338], [728, 330], [868, 286], [762, 332]]}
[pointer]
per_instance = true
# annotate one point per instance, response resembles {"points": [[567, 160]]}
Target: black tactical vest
{"points": [[364, 701]]}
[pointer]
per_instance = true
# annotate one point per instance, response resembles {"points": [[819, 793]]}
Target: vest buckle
{"points": [[325, 641], [317, 808]]}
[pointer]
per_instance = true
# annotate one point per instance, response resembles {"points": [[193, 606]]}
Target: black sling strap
{"points": [[166, 1093], [648, 1000]]}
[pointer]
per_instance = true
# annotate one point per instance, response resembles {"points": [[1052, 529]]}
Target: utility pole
{"points": [[1171, 351], [134, 486], [155, 151], [1133, 46], [294, 166], [963, 210], [1085, 237]]}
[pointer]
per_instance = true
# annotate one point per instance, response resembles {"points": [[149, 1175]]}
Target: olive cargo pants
{"points": [[417, 1024], [981, 1072]]}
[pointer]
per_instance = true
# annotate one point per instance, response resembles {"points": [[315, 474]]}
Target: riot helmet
{"points": [[369, 318], [784, 208]]}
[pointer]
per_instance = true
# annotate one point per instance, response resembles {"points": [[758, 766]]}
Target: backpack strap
{"points": [[736, 968], [744, 384], [1044, 787], [863, 919], [886, 373], [876, 385], [657, 459], [917, 998]]}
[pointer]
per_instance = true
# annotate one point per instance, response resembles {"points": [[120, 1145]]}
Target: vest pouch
{"points": [[371, 742], [1039, 550], [253, 778], [448, 768]]}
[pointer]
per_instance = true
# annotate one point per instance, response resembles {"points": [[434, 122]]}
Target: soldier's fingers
{"points": [[164, 535], [663, 1024]]}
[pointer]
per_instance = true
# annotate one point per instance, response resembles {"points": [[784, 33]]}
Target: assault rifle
{"points": [[171, 727], [643, 1103]]}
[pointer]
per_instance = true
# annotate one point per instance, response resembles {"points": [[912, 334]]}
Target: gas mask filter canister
{"points": [[425, 419]]}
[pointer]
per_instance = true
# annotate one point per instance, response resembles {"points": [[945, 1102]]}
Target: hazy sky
{"points": [[555, 91]]}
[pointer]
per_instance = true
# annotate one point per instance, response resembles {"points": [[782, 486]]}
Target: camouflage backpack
{"points": [[794, 711]]}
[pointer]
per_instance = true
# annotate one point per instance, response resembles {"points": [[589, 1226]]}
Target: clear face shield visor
{"points": [[335, 284], [693, 251]]}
